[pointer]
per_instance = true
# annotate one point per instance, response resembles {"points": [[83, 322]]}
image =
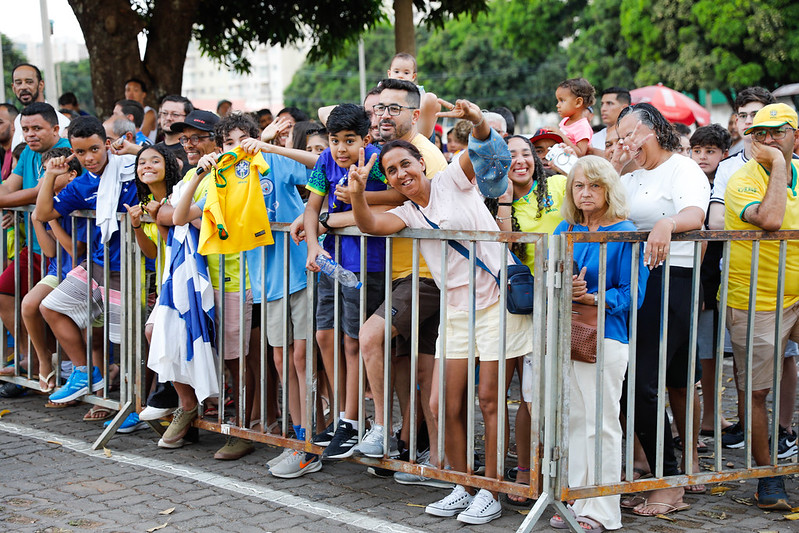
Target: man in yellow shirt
{"points": [[762, 195], [398, 112]]}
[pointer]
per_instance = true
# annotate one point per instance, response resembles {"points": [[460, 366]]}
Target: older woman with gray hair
{"points": [[595, 201], [667, 194]]}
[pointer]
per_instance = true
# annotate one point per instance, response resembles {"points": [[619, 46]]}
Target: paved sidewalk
{"points": [[54, 482]]}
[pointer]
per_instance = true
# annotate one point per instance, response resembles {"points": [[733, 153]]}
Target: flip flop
{"points": [[98, 413], [670, 508], [47, 388], [594, 526], [632, 502], [53, 405]]}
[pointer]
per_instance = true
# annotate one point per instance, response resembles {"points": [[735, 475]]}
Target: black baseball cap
{"points": [[202, 120]]}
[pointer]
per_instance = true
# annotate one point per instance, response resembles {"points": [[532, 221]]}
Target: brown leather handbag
{"points": [[584, 339]]}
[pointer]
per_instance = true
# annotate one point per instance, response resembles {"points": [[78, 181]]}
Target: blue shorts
{"points": [[349, 300]]}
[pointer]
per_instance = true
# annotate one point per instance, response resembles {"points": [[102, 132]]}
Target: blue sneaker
{"points": [[131, 424], [77, 385], [771, 494]]}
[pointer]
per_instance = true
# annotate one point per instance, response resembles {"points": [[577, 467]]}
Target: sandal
{"points": [[9, 370], [53, 405], [593, 525], [670, 508], [632, 502], [47, 383], [526, 502], [558, 523], [695, 489], [98, 413]]}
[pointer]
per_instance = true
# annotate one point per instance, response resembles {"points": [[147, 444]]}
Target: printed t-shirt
{"points": [[748, 187], [142, 139], [31, 169], [283, 204], [577, 131], [665, 191], [232, 263], [525, 209], [324, 179], [81, 194], [67, 263], [435, 162], [234, 216], [456, 204]]}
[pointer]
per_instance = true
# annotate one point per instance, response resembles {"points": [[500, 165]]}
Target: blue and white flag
{"points": [[182, 347]]}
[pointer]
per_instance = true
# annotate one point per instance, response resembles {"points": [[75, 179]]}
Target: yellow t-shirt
{"points": [[747, 187], [232, 262], [234, 215], [435, 162], [525, 208]]}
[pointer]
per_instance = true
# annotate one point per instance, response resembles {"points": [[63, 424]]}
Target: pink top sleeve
{"points": [[578, 131]]}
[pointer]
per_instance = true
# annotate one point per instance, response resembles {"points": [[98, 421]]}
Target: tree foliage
{"points": [[224, 31], [76, 77]]}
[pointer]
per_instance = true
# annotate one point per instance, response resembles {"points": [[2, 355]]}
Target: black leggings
{"points": [[647, 355]]}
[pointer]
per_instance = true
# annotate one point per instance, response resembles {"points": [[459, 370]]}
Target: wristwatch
{"points": [[596, 298], [323, 219]]}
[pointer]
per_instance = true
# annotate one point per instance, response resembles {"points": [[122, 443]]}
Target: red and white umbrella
{"points": [[674, 105]]}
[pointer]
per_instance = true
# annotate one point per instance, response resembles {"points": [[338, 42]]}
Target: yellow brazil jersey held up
{"points": [[234, 216]]}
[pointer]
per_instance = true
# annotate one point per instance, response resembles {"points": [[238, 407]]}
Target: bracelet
{"points": [[481, 121], [509, 204], [503, 218], [135, 227], [674, 228]]}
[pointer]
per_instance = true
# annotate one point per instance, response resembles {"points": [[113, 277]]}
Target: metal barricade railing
{"points": [[556, 488], [123, 355]]}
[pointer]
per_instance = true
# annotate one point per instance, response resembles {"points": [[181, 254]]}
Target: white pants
{"points": [[582, 432]]}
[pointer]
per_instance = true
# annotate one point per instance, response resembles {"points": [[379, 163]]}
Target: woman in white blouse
{"points": [[667, 194]]}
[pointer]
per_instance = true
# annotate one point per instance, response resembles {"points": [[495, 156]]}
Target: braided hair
{"points": [[171, 172]]}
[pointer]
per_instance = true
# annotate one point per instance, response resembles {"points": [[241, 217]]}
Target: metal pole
{"points": [[361, 68], [49, 69]]}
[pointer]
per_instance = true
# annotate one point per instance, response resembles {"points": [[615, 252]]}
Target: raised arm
{"points": [[45, 210], [464, 109], [253, 146], [769, 213], [367, 220], [185, 209]]}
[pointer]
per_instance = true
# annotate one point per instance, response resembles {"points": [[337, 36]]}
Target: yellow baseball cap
{"points": [[774, 116]]}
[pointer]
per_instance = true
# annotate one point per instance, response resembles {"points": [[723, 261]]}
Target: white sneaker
{"points": [[483, 509], [156, 413], [297, 464], [458, 500], [372, 444], [277, 460]]}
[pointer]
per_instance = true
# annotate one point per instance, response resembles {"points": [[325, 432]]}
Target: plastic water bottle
{"points": [[336, 271]]}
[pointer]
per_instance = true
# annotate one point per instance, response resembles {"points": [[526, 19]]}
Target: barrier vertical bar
{"points": [[387, 385], [442, 360], [750, 328], [689, 439], [415, 302], [502, 389], [662, 365], [779, 353], [600, 357], [470, 379], [719, 367]]}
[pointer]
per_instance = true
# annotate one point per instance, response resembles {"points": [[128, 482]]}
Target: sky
{"points": [[21, 20]]}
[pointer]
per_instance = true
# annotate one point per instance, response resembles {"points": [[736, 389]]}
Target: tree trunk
{"points": [[111, 28], [404, 33]]}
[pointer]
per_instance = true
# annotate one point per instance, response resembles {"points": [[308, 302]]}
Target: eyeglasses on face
{"points": [[393, 109], [195, 138], [777, 134]]}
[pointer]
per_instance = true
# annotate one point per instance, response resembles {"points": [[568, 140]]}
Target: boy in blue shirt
{"points": [[348, 128], [102, 187]]}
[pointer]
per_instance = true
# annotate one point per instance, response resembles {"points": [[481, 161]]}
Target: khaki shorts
{"points": [[518, 340], [49, 281], [297, 326], [232, 328], [762, 342]]}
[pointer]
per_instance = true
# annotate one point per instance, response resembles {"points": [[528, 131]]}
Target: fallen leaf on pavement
{"points": [[665, 517], [719, 490], [54, 442], [415, 505], [714, 515], [168, 511], [156, 528], [792, 516], [106, 451], [4, 412], [745, 501]]}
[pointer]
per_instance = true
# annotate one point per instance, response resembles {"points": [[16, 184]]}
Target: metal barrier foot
{"points": [[112, 428]]}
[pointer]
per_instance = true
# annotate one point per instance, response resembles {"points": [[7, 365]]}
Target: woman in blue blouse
{"points": [[595, 201]]}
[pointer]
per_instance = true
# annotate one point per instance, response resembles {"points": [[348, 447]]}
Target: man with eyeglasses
{"points": [[174, 108], [762, 195], [196, 134], [748, 102], [397, 112]]}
